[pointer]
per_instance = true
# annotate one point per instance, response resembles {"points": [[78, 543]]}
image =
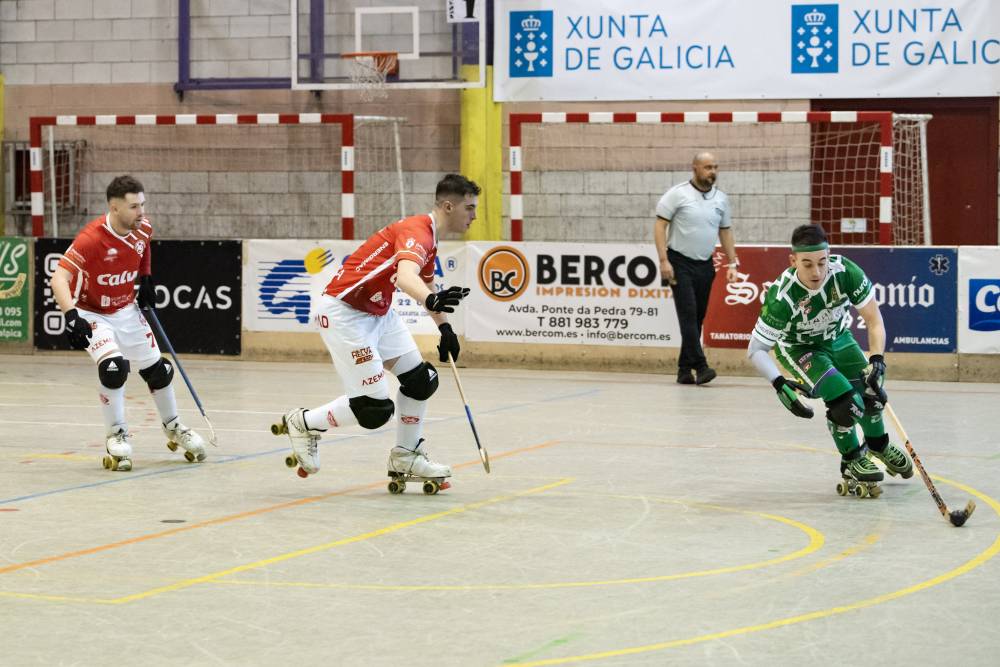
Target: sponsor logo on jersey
{"points": [[112, 255], [804, 305], [116, 279], [865, 284], [410, 242], [377, 297], [373, 379], [362, 355], [503, 273], [330, 419], [374, 253], [984, 304], [409, 419]]}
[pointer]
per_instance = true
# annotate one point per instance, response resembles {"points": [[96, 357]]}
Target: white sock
{"points": [[112, 406], [166, 403], [335, 414], [409, 420]]}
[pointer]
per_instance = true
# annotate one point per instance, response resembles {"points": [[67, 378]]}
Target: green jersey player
{"points": [[805, 318]]}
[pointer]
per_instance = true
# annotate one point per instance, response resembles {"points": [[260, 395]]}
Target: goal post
{"points": [[241, 175], [601, 173]]}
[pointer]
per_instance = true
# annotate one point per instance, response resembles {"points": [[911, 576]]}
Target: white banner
{"points": [[281, 277], [979, 299], [568, 293], [735, 49]]}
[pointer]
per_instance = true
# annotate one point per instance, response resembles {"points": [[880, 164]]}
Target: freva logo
{"points": [[116, 279], [984, 304]]}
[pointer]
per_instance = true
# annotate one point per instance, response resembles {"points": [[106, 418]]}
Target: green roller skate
{"points": [[894, 459], [861, 476]]}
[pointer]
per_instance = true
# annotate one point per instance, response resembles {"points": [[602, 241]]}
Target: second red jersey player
{"points": [[366, 337]]}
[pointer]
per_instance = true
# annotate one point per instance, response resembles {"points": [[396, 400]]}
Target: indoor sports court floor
{"points": [[628, 521]]}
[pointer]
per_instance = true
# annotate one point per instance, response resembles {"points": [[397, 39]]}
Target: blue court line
{"points": [[270, 452]]}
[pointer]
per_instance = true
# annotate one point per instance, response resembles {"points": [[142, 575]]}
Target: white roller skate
{"points": [[406, 464], [305, 442], [179, 434], [119, 456]]}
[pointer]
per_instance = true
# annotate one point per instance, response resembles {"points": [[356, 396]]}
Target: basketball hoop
{"points": [[369, 70]]}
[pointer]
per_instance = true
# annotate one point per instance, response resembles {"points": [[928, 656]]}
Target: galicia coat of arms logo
{"points": [[530, 44], [815, 39]]}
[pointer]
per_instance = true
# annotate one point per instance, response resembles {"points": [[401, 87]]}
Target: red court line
{"points": [[235, 517]]}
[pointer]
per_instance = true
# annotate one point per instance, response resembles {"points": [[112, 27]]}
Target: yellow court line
{"points": [[969, 565], [294, 554], [816, 541], [234, 517]]}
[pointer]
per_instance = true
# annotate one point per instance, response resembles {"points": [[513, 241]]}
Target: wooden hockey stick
{"points": [[958, 517], [468, 413], [162, 335]]}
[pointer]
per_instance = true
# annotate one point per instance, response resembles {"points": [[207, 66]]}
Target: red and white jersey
{"points": [[108, 264], [367, 279]]}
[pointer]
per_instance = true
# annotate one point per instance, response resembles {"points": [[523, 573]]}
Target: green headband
{"points": [[810, 248]]}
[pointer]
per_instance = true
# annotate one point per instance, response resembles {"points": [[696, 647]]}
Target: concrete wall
{"points": [[134, 41]]}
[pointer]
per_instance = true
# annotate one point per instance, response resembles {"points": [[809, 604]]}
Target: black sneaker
{"points": [[705, 375], [685, 377]]}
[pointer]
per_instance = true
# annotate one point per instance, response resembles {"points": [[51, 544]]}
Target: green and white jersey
{"points": [[793, 314]]}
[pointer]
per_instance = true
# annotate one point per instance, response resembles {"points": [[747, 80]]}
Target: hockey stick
{"points": [[162, 335], [958, 517], [468, 413]]}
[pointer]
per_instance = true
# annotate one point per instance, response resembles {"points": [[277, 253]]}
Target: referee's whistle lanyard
{"points": [[705, 194]]}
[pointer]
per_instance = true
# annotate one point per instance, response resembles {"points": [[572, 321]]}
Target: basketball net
{"points": [[369, 70]]}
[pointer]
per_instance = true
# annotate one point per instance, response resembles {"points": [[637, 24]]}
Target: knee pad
{"points": [[419, 383], [372, 412], [113, 372], [846, 410], [159, 375]]}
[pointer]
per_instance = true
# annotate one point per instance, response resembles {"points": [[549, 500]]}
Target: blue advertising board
{"points": [[917, 292]]}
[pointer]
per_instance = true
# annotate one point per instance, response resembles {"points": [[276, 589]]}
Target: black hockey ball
{"points": [[958, 518]]}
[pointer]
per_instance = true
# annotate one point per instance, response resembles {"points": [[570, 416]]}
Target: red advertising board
{"points": [[733, 308]]}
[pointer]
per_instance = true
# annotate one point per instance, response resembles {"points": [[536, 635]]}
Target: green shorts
{"points": [[831, 369]]}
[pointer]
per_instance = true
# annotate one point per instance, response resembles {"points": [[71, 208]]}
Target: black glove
{"points": [[146, 294], [875, 396], [445, 300], [448, 344], [789, 398], [77, 330]]}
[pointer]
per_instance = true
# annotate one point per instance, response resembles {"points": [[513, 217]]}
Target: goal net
{"points": [[598, 176], [223, 176]]}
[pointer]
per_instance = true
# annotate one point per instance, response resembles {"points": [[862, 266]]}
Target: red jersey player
{"points": [[365, 336], [103, 262]]}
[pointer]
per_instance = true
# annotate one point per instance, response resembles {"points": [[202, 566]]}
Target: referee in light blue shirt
{"points": [[690, 217]]}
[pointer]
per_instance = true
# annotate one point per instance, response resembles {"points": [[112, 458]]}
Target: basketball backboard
{"points": [[440, 43]]}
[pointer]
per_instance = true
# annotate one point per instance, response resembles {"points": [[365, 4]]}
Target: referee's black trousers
{"points": [[694, 284]]}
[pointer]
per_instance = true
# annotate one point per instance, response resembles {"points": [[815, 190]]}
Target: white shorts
{"points": [[124, 332], [359, 342]]}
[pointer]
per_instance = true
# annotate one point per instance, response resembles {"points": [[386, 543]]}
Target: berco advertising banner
{"points": [[197, 292], [916, 289], [733, 49], [282, 276], [569, 293]]}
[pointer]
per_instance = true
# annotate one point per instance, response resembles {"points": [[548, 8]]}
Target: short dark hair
{"points": [[808, 235], [455, 185], [122, 185]]}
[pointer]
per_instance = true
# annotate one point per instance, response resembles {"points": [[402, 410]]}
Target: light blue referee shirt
{"points": [[695, 219]]}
